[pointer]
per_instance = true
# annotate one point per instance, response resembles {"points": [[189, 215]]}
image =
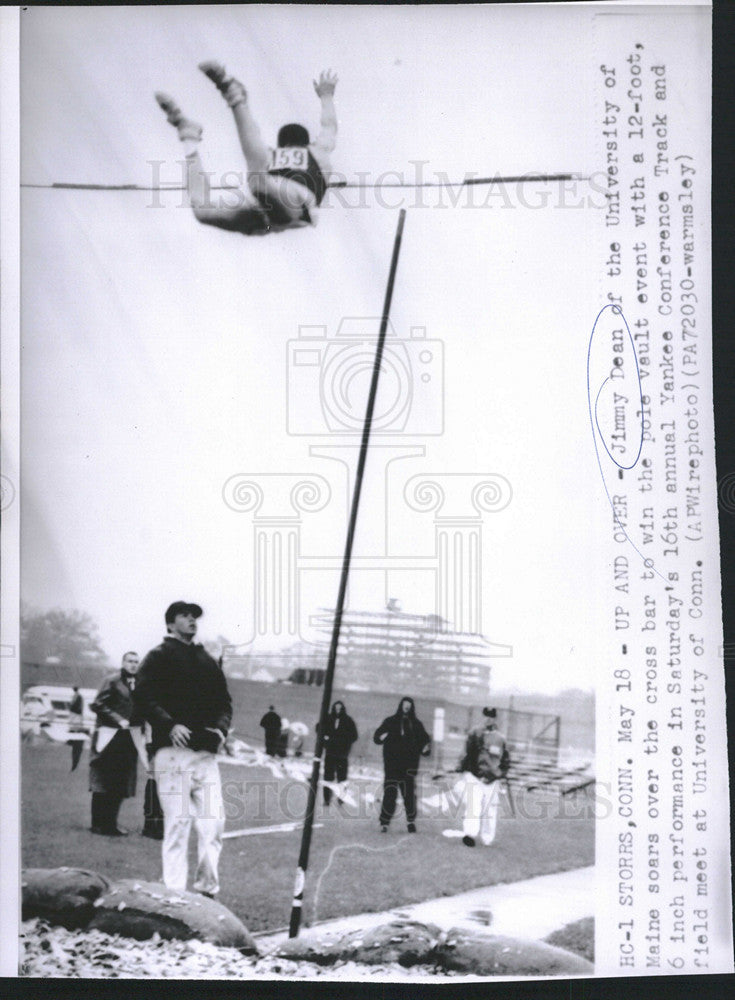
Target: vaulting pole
{"points": [[298, 895]]}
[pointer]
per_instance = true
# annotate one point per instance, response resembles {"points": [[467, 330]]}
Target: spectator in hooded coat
{"points": [[340, 733], [404, 741]]}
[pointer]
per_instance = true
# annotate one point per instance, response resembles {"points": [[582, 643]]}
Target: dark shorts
{"points": [[276, 214]]}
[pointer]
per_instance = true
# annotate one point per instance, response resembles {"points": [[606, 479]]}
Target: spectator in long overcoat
{"points": [[271, 725], [113, 758]]}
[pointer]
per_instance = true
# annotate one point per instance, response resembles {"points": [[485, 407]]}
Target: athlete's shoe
{"points": [[468, 841], [174, 114], [216, 73], [186, 128], [231, 89]]}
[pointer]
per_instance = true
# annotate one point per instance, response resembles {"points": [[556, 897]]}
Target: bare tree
{"points": [[69, 637]]}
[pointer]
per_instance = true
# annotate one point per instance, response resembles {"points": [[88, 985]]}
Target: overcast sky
{"points": [[155, 351]]}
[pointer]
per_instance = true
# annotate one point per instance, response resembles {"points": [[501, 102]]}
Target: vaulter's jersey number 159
{"points": [[290, 158]]}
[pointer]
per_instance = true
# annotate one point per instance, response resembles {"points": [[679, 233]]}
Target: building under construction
{"points": [[393, 651]]}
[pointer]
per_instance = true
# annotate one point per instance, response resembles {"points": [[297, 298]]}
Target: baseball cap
{"points": [[182, 608]]}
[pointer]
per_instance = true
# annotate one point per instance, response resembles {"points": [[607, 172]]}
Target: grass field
{"points": [[353, 867], [578, 937]]}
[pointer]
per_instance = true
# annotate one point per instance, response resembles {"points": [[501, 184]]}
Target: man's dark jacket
{"points": [[404, 740], [271, 722], [180, 683], [113, 770], [340, 733], [486, 754]]}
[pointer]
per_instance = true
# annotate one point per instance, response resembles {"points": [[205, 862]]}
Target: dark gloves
{"points": [[205, 739]]}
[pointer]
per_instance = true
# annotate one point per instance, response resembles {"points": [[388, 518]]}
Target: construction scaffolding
{"points": [[392, 651]]}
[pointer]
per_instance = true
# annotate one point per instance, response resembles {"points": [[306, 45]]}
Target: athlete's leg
{"points": [[329, 775], [283, 199], [172, 769], [256, 152], [388, 805], [408, 791], [473, 807], [488, 823], [239, 217], [197, 185], [209, 822]]}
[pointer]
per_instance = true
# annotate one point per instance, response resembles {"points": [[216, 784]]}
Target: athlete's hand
{"points": [[180, 735], [326, 83]]}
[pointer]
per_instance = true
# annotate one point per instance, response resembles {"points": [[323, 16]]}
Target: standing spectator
{"points": [[76, 707], [77, 733], [271, 724], [182, 693], [113, 761], [340, 733], [404, 740], [486, 761]]}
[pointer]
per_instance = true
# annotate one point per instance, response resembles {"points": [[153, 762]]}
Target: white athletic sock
{"points": [[190, 146]]}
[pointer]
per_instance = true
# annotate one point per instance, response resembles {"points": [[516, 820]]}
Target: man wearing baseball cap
{"points": [[486, 761], [182, 693]]}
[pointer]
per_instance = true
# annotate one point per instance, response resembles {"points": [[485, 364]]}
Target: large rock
{"points": [[64, 896], [321, 949], [405, 942], [480, 954], [141, 909]]}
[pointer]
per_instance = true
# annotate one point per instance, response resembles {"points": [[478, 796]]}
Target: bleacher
{"points": [[538, 761], [534, 771]]}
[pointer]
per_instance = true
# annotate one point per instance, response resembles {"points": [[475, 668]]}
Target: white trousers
{"points": [[190, 790], [481, 808]]}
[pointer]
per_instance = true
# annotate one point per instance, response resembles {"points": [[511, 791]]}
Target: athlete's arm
{"points": [[324, 87]]}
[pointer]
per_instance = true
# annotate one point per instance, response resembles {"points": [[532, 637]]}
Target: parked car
{"points": [[49, 704]]}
